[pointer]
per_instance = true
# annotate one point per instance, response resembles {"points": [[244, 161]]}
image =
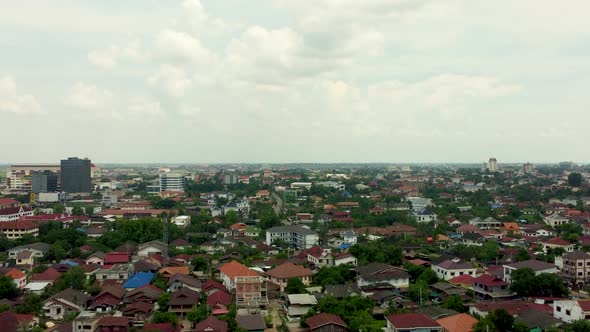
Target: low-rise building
{"points": [[451, 268], [576, 267], [295, 236], [282, 273], [537, 266], [571, 310], [411, 322]]}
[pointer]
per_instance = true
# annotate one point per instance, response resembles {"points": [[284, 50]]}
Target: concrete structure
{"points": [[537, 266], [75, 175], [44, 182], [17, 229], [412, 322], [492, 165], [576, 267], [172, 182], [527, 167], [295, 236], [571, 310], [18, 177], [450, 269]]}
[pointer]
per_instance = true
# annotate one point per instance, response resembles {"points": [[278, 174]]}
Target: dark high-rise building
{"points": [[75, 175], [44, 182]]}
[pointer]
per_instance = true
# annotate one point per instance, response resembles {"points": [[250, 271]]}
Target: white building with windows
{"points": [[172, 181], [295, 236], [571, 310], [452, 268]]}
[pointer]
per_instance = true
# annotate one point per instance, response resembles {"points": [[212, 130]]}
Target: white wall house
{"points": [[571, 310], [450, 269]]}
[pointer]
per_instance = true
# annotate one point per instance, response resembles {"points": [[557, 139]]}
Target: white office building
{"points": [[172, 181]]}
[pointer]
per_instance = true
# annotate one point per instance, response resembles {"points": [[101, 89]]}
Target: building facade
{"points": [[75, 175], [18, 177], [44, 182], [576, 267], [172, 182], [295, 236]]}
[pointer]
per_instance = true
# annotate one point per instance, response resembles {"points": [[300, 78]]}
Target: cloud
{"points": [[90, 98], [181, 46], [141, 106], [12, 101], [174, 80], [112, 56]]}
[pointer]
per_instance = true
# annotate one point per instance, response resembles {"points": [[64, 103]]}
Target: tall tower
{"points": [[75, 175], [493, 165]]}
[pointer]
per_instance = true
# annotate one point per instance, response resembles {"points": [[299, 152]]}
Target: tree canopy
{"points": [[526, 283]]}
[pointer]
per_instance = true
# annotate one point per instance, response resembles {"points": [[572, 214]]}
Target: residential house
{"points": [[138, 311], [85, 322], [115, 272], [411, 322], [138, 280], [11, 322], [299, 304], [112, 324], [555, 220], [181, 280], [537, 266], [557, 243], [147, 293], [571, 310], [17, 276], [249, 287], [96, 258], [450, 268], [457, 323], [487, 223], [488, 287], [108, 299], [326, 323], [378, 273], [251, 323], [424, 216], [12, 214], [576, 267], [282, 273], [65, 302], [150, 248], [211, 324], [183, 300]]}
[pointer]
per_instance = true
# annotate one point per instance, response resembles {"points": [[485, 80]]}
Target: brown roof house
{"points": [[282, 273], [65, 302], [326, 323], [211, 324], [183, 300]]}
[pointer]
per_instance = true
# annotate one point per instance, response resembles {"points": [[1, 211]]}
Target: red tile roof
{"points": [[116, 258], [557, 242], [457, 323], [219, 297], [211, 324], [14, 274], [210, 284], [584, 304], [464, 279], [235, 269], [489, 280], [50, 274], [323, 319], [21, 224], [411, 320], [113, 321]]}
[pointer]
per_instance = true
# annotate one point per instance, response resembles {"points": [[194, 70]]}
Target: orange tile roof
{"points": [[458, 323], [235, 269], [15, 274], [172, 270]]}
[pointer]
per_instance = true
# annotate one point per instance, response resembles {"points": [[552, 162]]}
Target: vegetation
{"points": [[526, 283]]}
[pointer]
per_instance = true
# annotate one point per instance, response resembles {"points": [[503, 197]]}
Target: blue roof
{"points": [[344, 246], [69, 262], [139, 279]]}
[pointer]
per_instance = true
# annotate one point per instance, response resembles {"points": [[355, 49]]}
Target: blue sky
{"points": [[295, 81]]}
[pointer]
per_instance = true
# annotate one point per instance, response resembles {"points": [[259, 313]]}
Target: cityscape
{"points": [[294, 166], [325, 247]]}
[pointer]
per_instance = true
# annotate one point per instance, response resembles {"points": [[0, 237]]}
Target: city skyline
{"points": [[285, 81]]}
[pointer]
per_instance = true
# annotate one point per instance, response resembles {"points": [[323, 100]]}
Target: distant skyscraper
{"points": [[44, 182], [75, 175], [19, 177], [230, 179], [493, 165], [527, 168], [172, 181]]}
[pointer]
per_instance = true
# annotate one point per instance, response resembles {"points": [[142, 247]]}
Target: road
{"points": [[279, 206]]}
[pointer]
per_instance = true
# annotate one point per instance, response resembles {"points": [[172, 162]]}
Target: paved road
{"points": [[279, 206]]}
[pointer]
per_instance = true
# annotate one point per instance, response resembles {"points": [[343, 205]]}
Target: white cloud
{"points": [[90, 98], [110, 57], [141, 106], [12, 101], [181, 46], [174, 80]]}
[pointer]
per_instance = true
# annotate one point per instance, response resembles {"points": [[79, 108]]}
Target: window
{"points": [[568, 312], [558, 309]]}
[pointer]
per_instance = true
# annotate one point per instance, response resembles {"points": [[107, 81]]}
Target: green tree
{"points": [[160, 282], [522, 281], [333, 275], [454, 302], [428, 276], [198, 313], [295, 286], [165, 317], [522, 255], [77, 211], [488, 251], [163, 301], [581, 325], [31, 304], [74, 278], [418, 292], [8, 289], [574, 179]]}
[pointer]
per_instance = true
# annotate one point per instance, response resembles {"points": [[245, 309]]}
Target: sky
{"points": [[294, 80]]}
